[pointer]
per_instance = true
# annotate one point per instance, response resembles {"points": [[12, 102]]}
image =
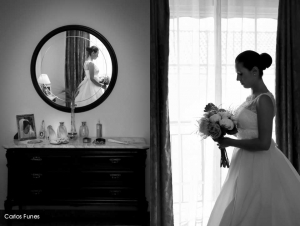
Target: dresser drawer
{"points": [[107, 162], [33, 161], [108, 178], [108, 193], [42, 194], [47, 179]]}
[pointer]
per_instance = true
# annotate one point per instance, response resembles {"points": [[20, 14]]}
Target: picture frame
{"points": [[46, 89], [26, 127]]}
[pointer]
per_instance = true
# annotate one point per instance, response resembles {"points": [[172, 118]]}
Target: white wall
{"points": [[126, 25]]}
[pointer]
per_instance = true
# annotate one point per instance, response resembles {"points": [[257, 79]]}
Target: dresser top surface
{"points": [[111, 142]]}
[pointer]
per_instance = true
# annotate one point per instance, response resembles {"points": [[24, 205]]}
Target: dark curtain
{"points": [[288, 80], [76, 43], [161, 203]]}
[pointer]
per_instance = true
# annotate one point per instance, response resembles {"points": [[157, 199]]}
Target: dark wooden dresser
{"points": [[111, 176]]}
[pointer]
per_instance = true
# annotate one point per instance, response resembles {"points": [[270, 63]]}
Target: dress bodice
{"points": [[88, 90], [87, 72], [246, 117]]}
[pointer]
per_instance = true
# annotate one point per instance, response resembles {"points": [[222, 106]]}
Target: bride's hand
{"points": [[101, 80], [223, 142]]}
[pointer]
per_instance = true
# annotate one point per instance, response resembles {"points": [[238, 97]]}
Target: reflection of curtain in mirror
{"points": [[75, 57]]}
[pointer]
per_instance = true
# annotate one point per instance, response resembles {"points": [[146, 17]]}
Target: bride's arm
{"points": [[265, 115], [91, 70]]}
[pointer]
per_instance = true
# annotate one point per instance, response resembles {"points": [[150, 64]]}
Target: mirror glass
{"points": [[74, 63]]}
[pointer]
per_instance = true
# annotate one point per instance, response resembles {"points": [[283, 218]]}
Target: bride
{"points": [[89, 90], [262, 186]]}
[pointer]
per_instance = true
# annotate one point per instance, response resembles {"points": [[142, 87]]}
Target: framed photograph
{"points": [[47, 91], [26, 127]]}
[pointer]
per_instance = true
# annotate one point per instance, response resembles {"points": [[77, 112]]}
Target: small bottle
{"points": [[83, 130], [62, 131], [42, 133], [98, 130], [51, 133]]}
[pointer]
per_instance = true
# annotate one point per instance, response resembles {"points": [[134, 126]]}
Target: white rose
{"points": [[203, 126], [215, 118], [224, 114], [227, 123]]}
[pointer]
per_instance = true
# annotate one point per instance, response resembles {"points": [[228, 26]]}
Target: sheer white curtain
{"points": [[205, 38]]}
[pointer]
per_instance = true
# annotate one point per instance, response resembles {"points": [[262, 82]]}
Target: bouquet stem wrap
{"points": [[224, 162]]}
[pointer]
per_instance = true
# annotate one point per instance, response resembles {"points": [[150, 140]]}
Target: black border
{"points": [[113, 76]]}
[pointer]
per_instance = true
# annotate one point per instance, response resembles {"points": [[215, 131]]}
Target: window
{"points": [[193, 82]]}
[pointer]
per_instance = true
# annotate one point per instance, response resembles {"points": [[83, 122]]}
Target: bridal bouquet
{"points": [[104, 80], [216, 123]]}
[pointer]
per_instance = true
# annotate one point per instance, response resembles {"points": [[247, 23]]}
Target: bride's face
{"points": [[95, 55], [244, 76]]}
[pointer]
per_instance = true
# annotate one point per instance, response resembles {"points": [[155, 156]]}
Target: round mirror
{"points": [[74, 65]]}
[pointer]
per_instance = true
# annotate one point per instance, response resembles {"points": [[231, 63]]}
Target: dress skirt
{"points": [[262, 188]]}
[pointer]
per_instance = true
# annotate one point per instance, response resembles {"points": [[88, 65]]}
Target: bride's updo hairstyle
{"points": [[92, 49], [251, 59]]}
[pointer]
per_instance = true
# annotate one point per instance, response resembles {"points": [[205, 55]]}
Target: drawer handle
{"points": [[36, 192], [36, 158], [115, 160], [115, 192], [36, 175], [115, 175]]}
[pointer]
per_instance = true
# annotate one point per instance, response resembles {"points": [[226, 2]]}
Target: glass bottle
{"points": [[98, 129], [42, 133], [51, 133], [62, 131], [83, 130], [73, 134]]}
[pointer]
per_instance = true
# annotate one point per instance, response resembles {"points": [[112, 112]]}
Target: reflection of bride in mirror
{"points": [[90, 89]]}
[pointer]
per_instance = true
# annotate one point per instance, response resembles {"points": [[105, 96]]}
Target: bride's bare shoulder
{"points": [[89, 64], [265, 104]]}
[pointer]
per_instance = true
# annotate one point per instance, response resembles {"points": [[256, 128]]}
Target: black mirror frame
{"points": [[113, 76]]}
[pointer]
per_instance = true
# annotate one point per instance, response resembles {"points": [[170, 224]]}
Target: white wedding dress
{"points": [[262, 188], [88, 91]]}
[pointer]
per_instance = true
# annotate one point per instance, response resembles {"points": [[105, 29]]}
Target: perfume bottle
{"points": [[98, 130], [62, 131], [42, 133], [83, 130]]}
